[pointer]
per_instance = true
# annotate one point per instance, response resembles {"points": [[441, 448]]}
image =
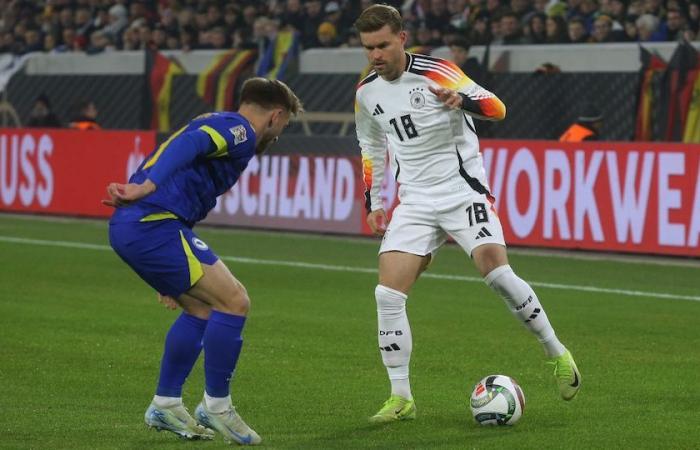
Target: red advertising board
{"points": [[65, 171], [629, 197], [611, 196]]}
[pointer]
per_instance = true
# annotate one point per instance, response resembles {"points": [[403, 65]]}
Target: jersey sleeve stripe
{"points": [[218, 139], [441, 70], [452, 70], [162, 148]]}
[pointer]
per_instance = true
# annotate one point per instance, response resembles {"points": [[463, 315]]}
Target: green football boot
{"points": [[567, 375], [396, 408]]}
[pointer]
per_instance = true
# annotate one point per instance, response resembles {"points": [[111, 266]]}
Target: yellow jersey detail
{"points": [[162, 148], [193, 263], [219, 141], [158, 216]]}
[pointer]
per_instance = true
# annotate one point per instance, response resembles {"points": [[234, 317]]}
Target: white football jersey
{"points": [[430, 146]]}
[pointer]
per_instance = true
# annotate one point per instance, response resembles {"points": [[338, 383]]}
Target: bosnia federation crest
{"points": [[239, 134], [417, 98], [200, 244]]}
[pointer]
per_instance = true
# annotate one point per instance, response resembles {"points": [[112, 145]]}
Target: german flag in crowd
{"points": [[217, 84], [278, 54], [691, 134], [681, 78], [158, 86], [647, 105]]}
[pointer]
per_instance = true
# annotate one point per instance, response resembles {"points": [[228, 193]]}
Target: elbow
{"points": [[500, 112]]}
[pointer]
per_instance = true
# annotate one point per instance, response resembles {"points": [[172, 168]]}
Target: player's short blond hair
{"points": [[376, 16], [270, 94]]}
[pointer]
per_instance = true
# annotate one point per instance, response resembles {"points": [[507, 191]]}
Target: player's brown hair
{"points": [[376, 16], [270, 94]]}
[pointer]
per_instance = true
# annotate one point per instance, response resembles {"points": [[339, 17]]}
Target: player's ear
{"points": [[403, 37]]}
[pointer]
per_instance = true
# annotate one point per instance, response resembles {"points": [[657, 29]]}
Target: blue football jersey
{"points": [[199, 162]]}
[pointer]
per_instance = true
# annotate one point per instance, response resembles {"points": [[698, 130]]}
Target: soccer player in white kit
{"points": [[419, 109]]}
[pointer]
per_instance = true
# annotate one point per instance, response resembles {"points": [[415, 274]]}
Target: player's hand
{"points": [[449, 97], [123, 194], [377, 221], [168, 301]]}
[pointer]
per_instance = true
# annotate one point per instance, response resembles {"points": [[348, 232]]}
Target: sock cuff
{"points": [[382, 290], [497, 272], [196, 322], [229, 320]]}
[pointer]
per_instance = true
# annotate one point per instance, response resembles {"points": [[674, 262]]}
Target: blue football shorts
{"points": [[166, 254]]}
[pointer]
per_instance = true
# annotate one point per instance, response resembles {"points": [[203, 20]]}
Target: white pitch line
{"points": [[353, 269]]}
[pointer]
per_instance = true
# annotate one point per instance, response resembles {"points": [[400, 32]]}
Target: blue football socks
{"points": [[182, 347], [222, 346]]}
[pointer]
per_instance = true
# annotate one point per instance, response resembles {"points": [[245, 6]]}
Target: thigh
{"points": [[472, 222], [166, 254], [219, 289], [194, 306], [413, 229], [399, 270]]}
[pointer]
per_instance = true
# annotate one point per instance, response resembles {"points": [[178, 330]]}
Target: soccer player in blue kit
{"points": [[151, 230]]}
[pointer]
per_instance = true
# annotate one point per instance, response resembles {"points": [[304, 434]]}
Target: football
{"points": [[497, 400]]}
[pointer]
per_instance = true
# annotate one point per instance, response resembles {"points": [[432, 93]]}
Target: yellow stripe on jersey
{"points": [[158, 216], [219, 141], [162, 148], [193, 263]]}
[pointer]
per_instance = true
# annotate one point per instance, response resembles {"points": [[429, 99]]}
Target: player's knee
{"points": [[489, 257], [389, 301], [198, 311], [237, 300]]}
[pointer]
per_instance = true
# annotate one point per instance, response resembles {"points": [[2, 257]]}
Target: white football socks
{"points": [[217, 404], [395, 341], [166, 402], [525, 305]]}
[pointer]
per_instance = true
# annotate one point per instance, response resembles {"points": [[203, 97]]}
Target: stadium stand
{"points": [[95, 26]]}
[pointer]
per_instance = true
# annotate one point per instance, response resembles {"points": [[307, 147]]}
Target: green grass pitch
{"points": [[81, 336]]}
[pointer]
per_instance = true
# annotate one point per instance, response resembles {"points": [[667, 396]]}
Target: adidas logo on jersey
{"points": [[378, 110], [483, 233]]}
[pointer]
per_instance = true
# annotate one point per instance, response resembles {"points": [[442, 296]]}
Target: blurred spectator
{"points": [[577, 31], [84, 116], [437, 15], [535, 29], [99, 42], [646, 26], [556, 30], [587, 126], [217, 38], [630, 27], [602, 30], [69, 25], [312, 20], [480, 33], [673, 26], [694, 16], [510, 28], [327, 35], [469, 65], [293, 14], [32, 41], [41, 115], [520, 8], [118, 20]]}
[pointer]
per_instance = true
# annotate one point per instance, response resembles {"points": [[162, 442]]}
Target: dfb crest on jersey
{"points": [[417, 98], [239, 134]]}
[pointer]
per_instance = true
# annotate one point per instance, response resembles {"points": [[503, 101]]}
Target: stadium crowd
{"points": [[95, 26]]}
